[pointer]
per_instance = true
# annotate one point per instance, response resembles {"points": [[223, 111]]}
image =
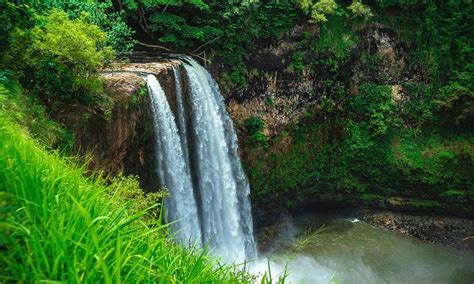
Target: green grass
{"points": [[61, 223], [26, 110], [57, 225]]}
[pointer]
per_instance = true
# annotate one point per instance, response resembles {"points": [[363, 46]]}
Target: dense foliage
{"points": [[57, 224], [254, 126], [363, 143], [362, 140], [443, 48], [54, 57]]}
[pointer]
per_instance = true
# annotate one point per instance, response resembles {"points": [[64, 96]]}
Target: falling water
{"points": [[173, 168], [180, 113], [199, 164]]}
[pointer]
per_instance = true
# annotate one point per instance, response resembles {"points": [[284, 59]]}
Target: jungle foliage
{"points": [[359, 142], [54, 56], [59, 221]]}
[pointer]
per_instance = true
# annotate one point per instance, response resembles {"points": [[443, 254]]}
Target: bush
{"points": [[100, 13], [375, 107], [53, 81], [74, 43], [13, 16], [456, 101], [58, 58], [254, 126]]}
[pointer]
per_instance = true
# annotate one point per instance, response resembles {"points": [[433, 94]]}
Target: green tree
{"points": [[171, 22], [75, 43], [59, 57], [318, 10], [360, 10], [101, 13]]}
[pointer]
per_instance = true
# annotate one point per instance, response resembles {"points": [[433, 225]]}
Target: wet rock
{"points": [[454, 232], [268, 61], [387, 52]]}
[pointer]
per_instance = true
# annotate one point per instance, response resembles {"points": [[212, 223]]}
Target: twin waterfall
{"points": [[197, 161]]}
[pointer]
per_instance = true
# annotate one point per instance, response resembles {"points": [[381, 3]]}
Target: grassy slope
{"points": [[57, 225]]}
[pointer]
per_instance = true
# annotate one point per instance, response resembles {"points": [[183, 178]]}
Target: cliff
{"points": [[120, 139]]}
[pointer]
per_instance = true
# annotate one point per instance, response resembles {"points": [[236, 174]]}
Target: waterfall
{"points": [[226, 220], [199, 164], [173, 168]]}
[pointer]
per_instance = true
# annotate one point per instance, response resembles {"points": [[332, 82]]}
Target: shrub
{"points": [[375, 106], [456, 100], [28, 112], [254, 126], [360, 10], [297, 61], [100, 13], [74, 43], [58, 58]]}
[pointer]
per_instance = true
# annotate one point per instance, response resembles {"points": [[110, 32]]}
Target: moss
{"points": [[401, 169], [137, 97], [254, 126]]}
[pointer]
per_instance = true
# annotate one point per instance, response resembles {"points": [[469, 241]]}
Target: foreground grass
{"points": [[57, 225]]}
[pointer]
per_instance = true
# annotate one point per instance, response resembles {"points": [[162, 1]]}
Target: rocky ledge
{"points": [[116, 135], [453, 232]]}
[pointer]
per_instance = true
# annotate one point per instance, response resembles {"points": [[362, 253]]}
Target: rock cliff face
{"points": [[288, 81], [281, 94], [121, 138]]}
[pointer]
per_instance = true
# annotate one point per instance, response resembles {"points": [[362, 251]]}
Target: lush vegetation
{"points": [[360, 141], [62, 223], [54, 57], [254, 126], [59, 221], [58, 225]]}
